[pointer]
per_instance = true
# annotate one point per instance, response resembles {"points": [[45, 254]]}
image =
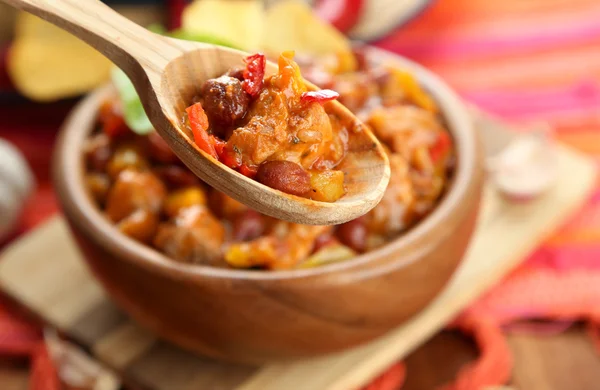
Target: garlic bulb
{"points": [[526, 168], [16, 184]]}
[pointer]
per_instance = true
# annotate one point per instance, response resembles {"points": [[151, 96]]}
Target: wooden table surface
{"points": [[560, 362]]}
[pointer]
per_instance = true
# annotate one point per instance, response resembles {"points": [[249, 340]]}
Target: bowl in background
{"points": [[258, 316]]}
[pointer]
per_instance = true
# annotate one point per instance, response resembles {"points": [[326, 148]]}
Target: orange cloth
{"points": [[535, 60]]}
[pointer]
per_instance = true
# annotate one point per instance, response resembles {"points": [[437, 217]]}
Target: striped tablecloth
{"points": [[525, 60], [528, 61]]}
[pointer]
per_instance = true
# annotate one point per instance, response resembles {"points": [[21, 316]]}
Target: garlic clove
{"points": [[16, 184], [526, 168]]}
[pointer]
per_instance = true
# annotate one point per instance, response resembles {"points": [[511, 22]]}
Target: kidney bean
{"points": [[225, 101], [353, 234], [98, 152], [322, 241], [248, 226], [284, 176], [159, 150], [175, 176]]}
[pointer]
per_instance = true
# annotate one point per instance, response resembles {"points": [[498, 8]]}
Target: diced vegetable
{"points": [[219, 145], [231, 157], [254, 74], [406, 81], [441, 147], [248, 171], [199, 124], [327, 186], [252, 254], [321, 96], [180, 199], [329, 254]]}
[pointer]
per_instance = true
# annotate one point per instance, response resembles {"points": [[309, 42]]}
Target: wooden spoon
{"points": [[168, 73]]}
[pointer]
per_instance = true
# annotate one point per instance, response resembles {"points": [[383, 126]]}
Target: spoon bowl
{"points": [[366, 167], [168, 73]]}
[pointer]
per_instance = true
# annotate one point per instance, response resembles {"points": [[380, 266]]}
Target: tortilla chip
{"points": [[292, 25], [46, 63], [239, 22]]}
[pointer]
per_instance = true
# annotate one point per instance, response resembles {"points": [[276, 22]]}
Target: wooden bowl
{"points": [[255, 316]]}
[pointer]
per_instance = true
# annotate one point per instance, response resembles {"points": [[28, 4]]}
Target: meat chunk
{"points": [[134, 190], [405, 128], [194, 236], [225, 101]]}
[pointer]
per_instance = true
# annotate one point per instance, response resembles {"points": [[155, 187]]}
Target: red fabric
{"points": [[495, 363], [43, 373], [392, 379]]}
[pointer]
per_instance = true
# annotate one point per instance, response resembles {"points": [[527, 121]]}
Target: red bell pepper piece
{"points": [[322, 96], [199, 124], [254, 74], [441, 147], [248, 171], [219, 145], [231, 158], [342, 14]]}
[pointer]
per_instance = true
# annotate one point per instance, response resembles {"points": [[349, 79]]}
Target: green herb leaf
{"points": [[133, 111]]}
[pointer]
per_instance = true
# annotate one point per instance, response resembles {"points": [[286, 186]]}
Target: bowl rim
{"points": [[86, 216]]}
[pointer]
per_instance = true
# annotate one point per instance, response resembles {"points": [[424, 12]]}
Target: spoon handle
{"points": [[125, 43]]}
